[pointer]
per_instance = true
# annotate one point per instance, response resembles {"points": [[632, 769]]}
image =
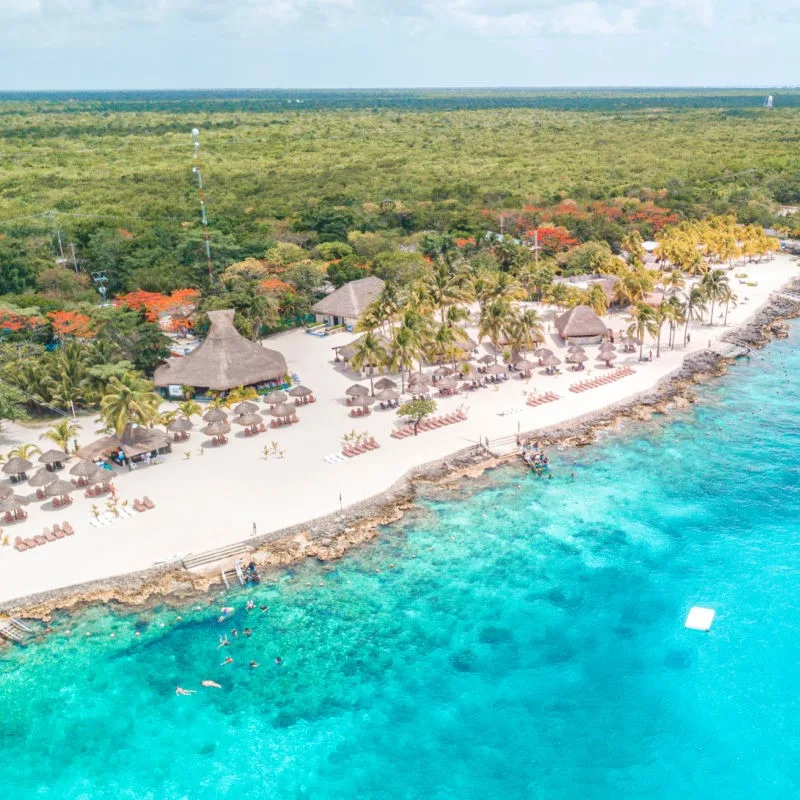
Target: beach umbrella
{"points": [[543, 352], [41, 478], [448, 384], [13, 504], [246, 407], [218, 428], [59, 488], [249, 420], [387, 395], [524, 366], [53, 457], [16, 466], [496, 369], [575, 348], [487, 359], [357, 390], [442, 372], [7, 491], [606, 356], [607, 346], [82, 468], [419, 377], [300, 391], [100, 475], [385, 383], [364, 402], [551, 361], [274, 398], [215, 415], [180, 425], [577, 358], [469, 373], [282, 410]]}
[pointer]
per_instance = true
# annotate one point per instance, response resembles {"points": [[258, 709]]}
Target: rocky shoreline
{"points": [[330, 537]]}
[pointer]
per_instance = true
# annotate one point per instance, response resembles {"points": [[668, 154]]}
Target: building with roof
{"points": [[580, 325], [347, 303], [223, 361]]}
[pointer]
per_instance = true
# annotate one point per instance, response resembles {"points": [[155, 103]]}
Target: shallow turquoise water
{"points": [[528, 643]]}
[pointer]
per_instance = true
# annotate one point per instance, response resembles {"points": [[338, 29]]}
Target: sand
{"points": [[215, 496]]}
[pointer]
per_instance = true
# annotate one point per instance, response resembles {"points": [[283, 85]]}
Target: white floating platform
{"points": [[700, 619]]}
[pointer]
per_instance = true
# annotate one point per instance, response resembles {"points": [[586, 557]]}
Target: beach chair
{"points": [[148, 503], [49, 535], [19, 545], [67, 528], [139, 506], [58, 532], [29, 543], [39, 539]]}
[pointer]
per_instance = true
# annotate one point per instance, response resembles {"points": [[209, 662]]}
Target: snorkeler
{"points": [[254, 664], [210, 684], [228, 660], [183, 692]]}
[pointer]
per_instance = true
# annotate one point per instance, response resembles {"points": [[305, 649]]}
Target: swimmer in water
{"points": [[264, 608], [235, 633], [210, 684], [278, 660], [183, 692], [228, 660], [248, 633], [254, 664], [223, 642], [250, 605]]}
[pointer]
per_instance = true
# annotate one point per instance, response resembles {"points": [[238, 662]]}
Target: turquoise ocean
{"points": [[519, 638]]}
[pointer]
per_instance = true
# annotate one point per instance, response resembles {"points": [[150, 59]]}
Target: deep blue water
{"points": [[527, 643]]}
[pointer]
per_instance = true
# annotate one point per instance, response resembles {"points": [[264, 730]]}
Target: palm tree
{"points": [[405, 348], [660, 316], [674, 311], [189, 409], [443, 345], [220, 402], [24, 451], [369, 352], [129, 399], [596, 299], [62, 433], [695, 306], [674, 281], [728, 296], [633, 285], [524, 330], [494, 321], [644, 322], [713, 285], [240, 393]]}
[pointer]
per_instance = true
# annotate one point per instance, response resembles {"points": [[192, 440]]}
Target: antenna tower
{"points": [[196, 169]]}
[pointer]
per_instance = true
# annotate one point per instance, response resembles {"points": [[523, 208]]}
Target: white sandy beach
{"points": [[213, 497]]}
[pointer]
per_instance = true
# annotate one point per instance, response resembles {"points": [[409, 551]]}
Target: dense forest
{"points": [[308, 187]]}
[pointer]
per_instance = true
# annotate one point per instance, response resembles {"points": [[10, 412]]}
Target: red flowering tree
{"points": [[71, 323]]}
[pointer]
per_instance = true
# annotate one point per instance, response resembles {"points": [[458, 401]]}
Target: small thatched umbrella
{"points": [[100, 475], [300, 391], [388, 395], [496, 369], [53, 458], [246, 407], [575, 348], [180, 425], [385, 383], [447, 385], [13, 504], [82, 469], [215, 415], [283, 410], [7, 491], [41, 478], [59, 488], [442, 372], [364, 402], [249, 420], [577, 357], [16, 466], [543, 353], [218, 428], [606, 356], [275, 398], [420, 378], [524, 366], [357, 390], [468, 374], [608, 346], [487, 359], [551, 361]]}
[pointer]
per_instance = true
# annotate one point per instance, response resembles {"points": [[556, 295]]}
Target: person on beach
{"points": [[179, 690], [211, 684]]}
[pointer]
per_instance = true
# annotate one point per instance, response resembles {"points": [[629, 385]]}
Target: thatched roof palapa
{"points": [[356, 390], [13, 503], [385, 383], [7, 491], [58, 488], [543, 352], [300, 391], [347, 351], [216, 429], [350, 300], [274, 398], [283, 410], [246, 407], [249, 420], [487, 359], [524, 366], [223, 361], [180, 425], [495, 369], [364, 402], [580, 323], [135, 441], [82, 469], [53, 457], [388, 394], [41, 478], [215, 415], [16, 466]]}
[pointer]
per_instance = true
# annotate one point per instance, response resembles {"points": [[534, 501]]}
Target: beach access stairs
{"points": [[14, 631], [214, 556]]}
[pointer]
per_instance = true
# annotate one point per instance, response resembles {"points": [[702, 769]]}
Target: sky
{"points": [[188, 44]]}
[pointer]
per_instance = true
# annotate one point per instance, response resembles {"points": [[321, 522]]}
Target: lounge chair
{"points": [[30, 543], [67, 528], [19, 545], [48, 535], [139, 505], [148, 502], [39, 539]]}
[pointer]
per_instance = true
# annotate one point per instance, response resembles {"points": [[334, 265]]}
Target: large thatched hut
{"points": [[347, 303], [580, 325], [223, 361]]}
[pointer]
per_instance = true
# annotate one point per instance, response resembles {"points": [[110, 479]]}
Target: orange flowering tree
{"points": [[71, 323], [179, 305]]}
